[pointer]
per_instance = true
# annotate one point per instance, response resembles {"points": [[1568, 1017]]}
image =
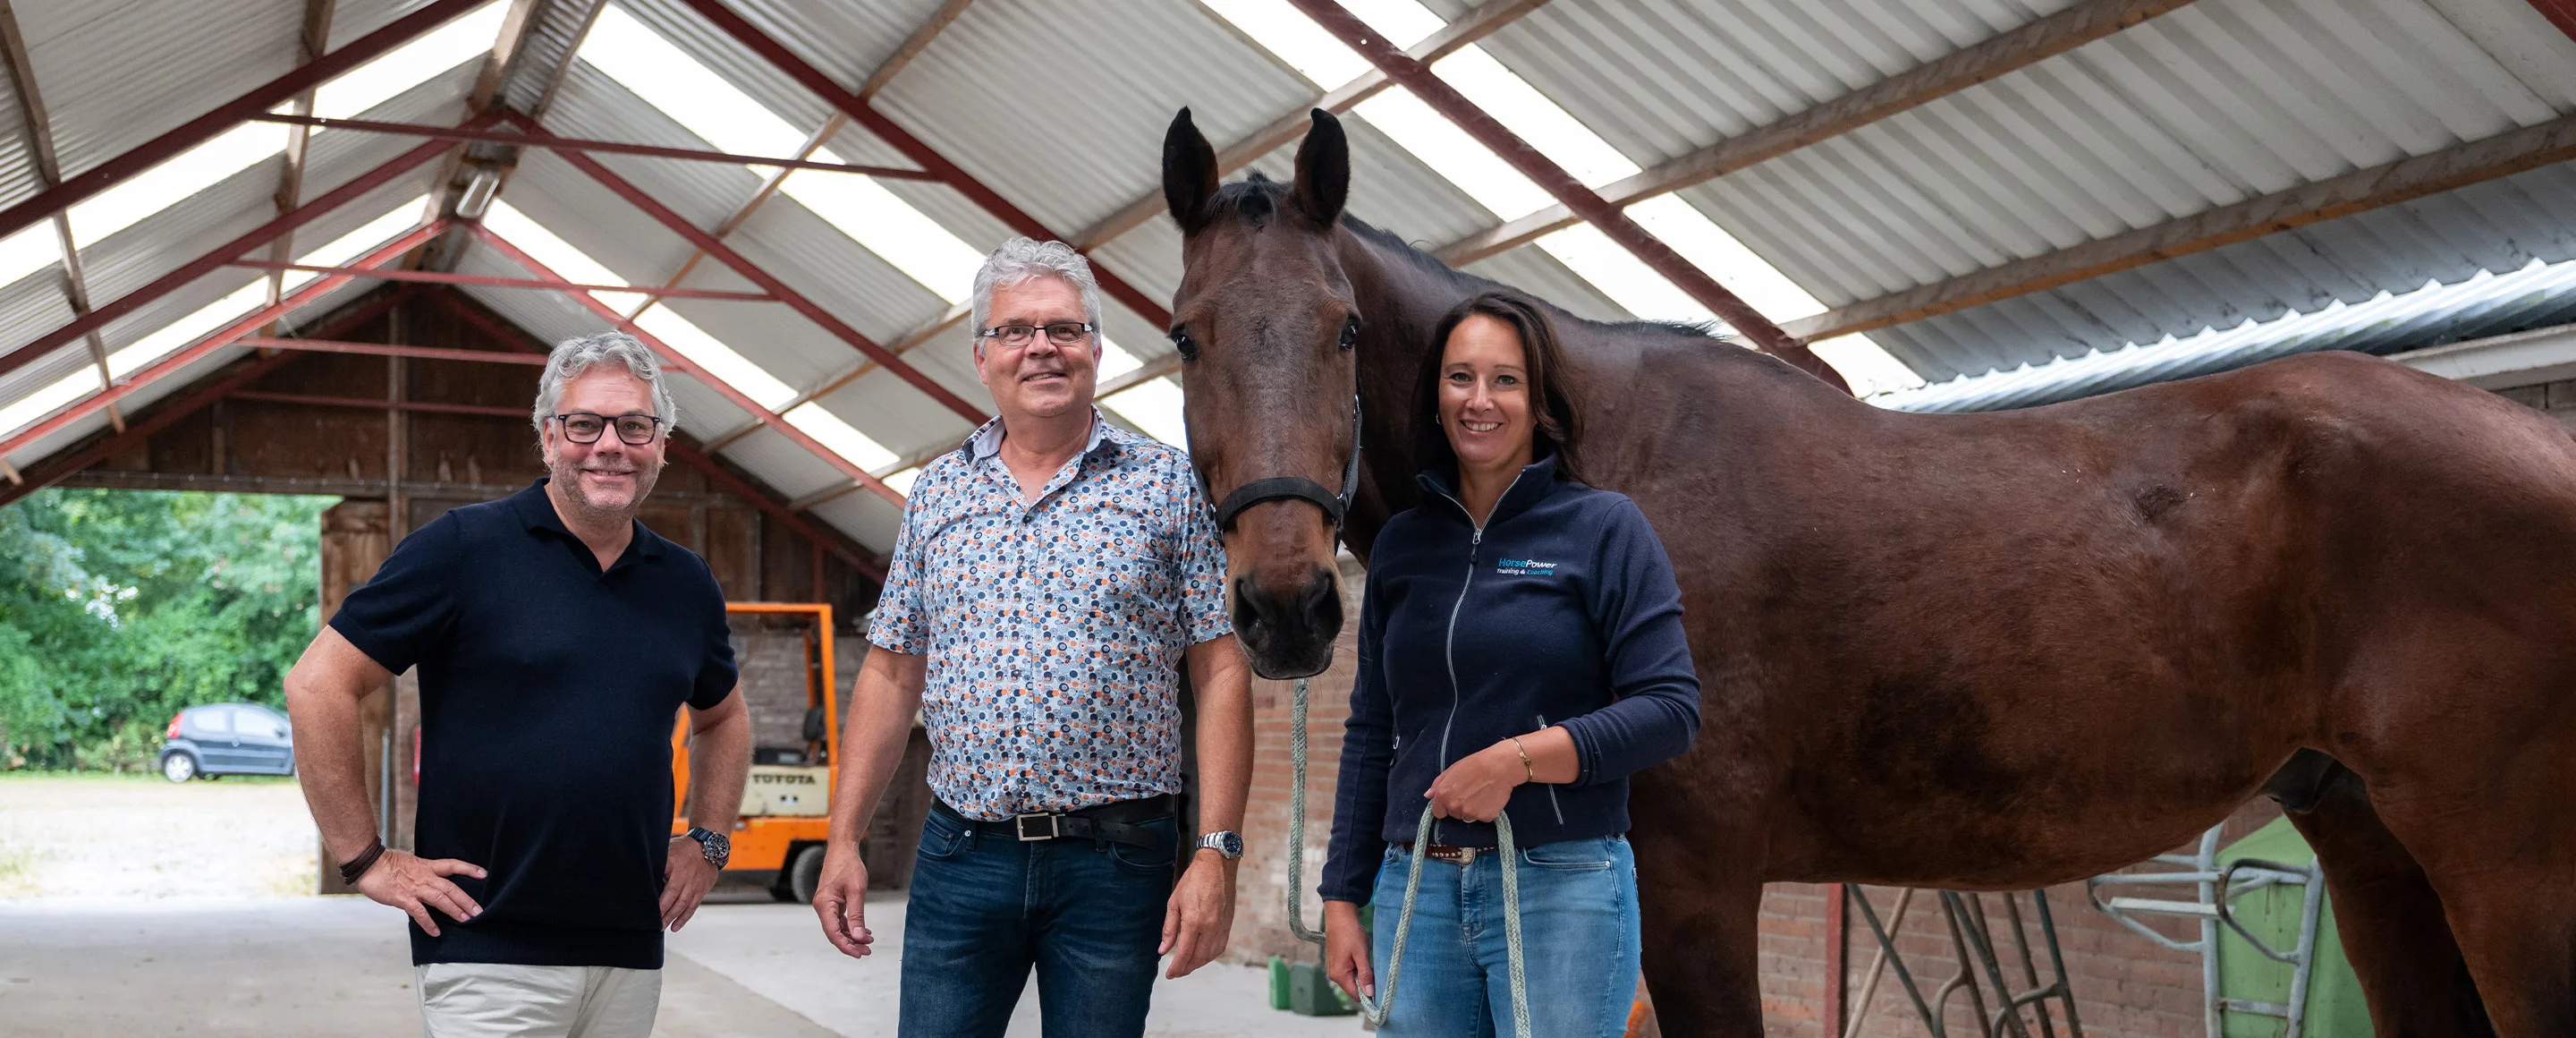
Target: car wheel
{"points": [[178, 767], [804, 874]]}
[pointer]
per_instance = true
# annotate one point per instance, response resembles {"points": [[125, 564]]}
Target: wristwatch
{"points": [[713, 844], [1226, 842]]}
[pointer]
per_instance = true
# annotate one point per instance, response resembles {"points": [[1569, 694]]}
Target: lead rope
{"points": [[1375, 1010]]}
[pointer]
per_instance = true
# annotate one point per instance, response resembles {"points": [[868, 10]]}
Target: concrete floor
{"points": [[290, 967], [130, 906]]}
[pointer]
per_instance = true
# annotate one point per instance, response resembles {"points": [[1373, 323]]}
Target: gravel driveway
{"points": [[141, 836]]}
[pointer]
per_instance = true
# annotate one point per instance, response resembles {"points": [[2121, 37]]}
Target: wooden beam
{"points": [[919, 41], [38, 131], [2405, 180], [2020, 48], [79, 187], [221, 255], [2561, 13], [1553, 178], [521, 140], [310, 44], [56, 468], [679, 362], [716, 471], [786, 60], [1488, 18], [441, 278], [377, 349]]}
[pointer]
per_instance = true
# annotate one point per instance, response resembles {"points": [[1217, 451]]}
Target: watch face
{"points": [[1233, 845]]}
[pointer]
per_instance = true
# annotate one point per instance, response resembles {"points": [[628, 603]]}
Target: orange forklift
{"points": [[778, 839]]}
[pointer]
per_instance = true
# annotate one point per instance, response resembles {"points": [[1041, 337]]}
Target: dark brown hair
{"points": [[1551, 393]]}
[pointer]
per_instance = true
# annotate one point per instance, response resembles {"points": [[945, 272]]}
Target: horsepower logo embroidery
{"points": [[1524, 568]]}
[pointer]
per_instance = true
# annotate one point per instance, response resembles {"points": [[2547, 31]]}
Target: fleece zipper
{"points": [[1449, 644]]}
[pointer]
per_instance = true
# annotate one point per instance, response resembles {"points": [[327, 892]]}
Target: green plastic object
{"points": [[1310, 994], [2335, 1006], [1278, 983]]}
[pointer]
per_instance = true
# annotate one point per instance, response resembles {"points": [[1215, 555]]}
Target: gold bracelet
{"points": [[1528, 773]]}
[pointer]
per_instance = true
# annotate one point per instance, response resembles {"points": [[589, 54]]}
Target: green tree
{"points": [[120, 608]]}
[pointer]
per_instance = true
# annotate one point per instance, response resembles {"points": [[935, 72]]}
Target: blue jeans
{"points": [[987, 907], [1579, 943]]}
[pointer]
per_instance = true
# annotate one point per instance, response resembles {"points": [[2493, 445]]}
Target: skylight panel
{"points": [[33, 407], [1533, 117], [463, 38], [185, 174], [563, 257], [1452, 153], [1865, 364], [901, 482], [844, 439], [240, 302], [1620, 275], [693, 95], [1153, 405], [1295, 38], [28, 251], [1114, 359], [710, 353], [716, 110], [249, 144]]}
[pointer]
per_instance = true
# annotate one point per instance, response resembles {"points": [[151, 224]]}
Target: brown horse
{"points": [[1983, 651]]}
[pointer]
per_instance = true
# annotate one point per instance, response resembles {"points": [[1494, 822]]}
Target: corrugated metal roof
{"points": [[2218, 102], [2538, 296]]}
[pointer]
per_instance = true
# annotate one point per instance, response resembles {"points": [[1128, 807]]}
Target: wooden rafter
{"points": [[2020, 48], [920, 40], [1488, 18], [312, 43], [37, 130]]}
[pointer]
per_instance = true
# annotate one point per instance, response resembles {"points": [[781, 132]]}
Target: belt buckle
{"points": [[1020, 826], [1464, 856]]}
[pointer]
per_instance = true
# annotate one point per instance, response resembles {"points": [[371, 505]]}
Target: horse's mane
{"points": [[1257, 198]]}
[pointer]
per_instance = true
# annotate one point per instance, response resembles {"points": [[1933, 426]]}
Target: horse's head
{"points": [[1266, 325]]}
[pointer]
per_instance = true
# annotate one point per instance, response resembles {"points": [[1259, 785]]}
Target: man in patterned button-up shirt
{"points": [[1053, 576]]}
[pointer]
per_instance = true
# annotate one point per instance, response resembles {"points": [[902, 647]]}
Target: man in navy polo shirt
{"points": [[556, 638]]}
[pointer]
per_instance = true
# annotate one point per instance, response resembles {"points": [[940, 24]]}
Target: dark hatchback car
{"points": [[227, 739]]}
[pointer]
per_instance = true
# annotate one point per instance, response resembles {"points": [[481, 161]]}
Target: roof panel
{"points": [[110, 69]]}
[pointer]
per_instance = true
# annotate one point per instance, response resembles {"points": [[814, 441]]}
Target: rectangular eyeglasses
{"points": [[585, 427]]}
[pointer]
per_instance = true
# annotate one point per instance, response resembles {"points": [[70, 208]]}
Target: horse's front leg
{"points": [[1700, 903]]}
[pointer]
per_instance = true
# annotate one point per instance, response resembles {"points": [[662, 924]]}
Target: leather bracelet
{"points": [[1528, 772], [355, 867]]}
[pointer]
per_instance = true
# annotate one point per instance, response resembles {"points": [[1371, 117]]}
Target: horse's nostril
{"points": [[1321, 605]]}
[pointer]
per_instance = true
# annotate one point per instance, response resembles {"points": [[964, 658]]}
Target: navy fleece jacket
{"points": [[1561, 611]]}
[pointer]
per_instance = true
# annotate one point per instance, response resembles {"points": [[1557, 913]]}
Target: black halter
{"points": [[1294, 488]]}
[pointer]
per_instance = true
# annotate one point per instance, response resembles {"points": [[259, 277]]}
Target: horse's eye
{"points": [[1350, 334], [1181, 341]]}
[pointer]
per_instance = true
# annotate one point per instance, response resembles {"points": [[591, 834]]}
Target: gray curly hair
{"points": [[1020, 259], [573, 356]]}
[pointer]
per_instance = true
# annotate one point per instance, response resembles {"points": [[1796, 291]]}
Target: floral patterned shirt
{"points": [[1054, 630]]}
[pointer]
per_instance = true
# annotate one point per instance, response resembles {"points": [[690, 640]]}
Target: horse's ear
{"points": [[1323, 170], [1189, 173]]}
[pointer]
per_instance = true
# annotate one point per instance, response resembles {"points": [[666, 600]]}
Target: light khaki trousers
{"points": [[484, 1000]]}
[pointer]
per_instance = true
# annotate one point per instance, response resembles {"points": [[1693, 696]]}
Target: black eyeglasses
{"points": [[585, 427], [1061, 333]]}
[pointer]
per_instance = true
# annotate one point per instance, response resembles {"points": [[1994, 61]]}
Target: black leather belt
{"points": [[1121, 822]]}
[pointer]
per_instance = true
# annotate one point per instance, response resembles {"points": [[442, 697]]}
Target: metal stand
{"points": [[2218, 887], [1981, 970]]}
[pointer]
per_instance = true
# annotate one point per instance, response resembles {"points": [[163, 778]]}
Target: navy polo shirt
{"points": [[548, 689]]}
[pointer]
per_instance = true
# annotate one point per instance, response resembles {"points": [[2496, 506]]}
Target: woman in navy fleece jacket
{"points": [[1521, 649]]}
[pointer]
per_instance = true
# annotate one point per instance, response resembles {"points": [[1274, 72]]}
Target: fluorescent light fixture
{"points": [[564, 258], [717, 111], [477, 198], [843, 438], [1153, 405]]}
